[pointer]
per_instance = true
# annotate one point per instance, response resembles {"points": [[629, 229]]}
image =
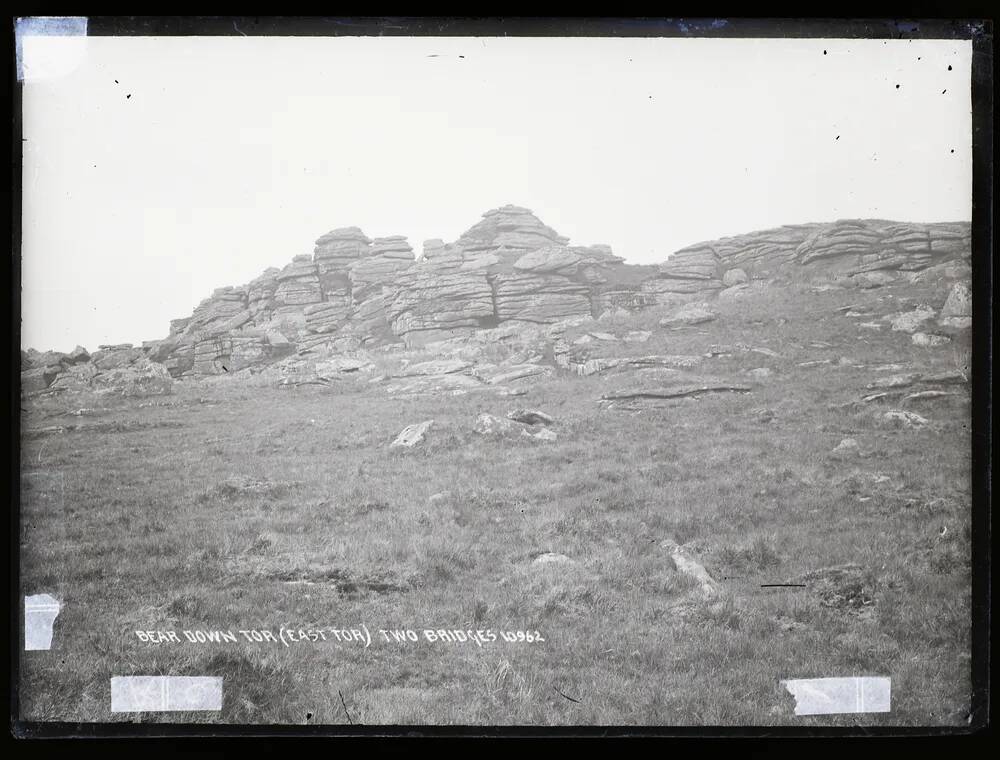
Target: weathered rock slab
{"points": [[411, 435]]}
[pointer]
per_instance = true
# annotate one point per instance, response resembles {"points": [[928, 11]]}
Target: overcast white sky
{"points": [[157, 169]]}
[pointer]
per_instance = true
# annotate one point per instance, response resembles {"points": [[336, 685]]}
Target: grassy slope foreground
{"points": [[228, 506]]}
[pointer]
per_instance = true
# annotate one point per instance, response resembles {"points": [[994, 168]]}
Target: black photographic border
{"points": [[979, 31]]}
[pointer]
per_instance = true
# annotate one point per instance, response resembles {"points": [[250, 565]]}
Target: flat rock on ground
{"points": [[848, 446], [530, 417], [488, 424], [687, 564], [688, 315], [552, 558], [411, 435], [675, 391], [905, 419]]}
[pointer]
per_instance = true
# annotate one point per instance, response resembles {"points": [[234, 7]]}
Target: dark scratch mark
{"points": [[342, 702], [128, 96], [566, 696]]}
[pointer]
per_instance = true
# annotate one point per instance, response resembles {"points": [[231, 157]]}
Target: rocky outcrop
{"points": [[334, 253], [143, 378], [507, 267], [368, 276], [856, 248], [298, 283], [510, 228], [539, 298], [235, 351], [78, 355], [865, 253], [512, 270], [327, 316], [77, 377], [37, 379], [957, 309], [115, 357], [703, 268], [426, 304], [122, 369]]}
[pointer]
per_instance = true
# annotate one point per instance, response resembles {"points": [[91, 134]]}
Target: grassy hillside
{"points": [[228, 506]]}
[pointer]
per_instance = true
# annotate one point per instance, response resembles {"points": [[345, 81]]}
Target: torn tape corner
{"points": [[51, 26], [832, 696], [58, 45], [165, 693], [40, 612]]}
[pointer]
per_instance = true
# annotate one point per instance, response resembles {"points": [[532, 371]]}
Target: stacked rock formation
{"points": [[509, 267], [865, 252], [119, 368], [39, 370], [385, 260], [333, 255]]}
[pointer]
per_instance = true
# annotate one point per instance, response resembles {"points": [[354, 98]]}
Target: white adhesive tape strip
{"points": [[829, 696], [165, 693], [40, 612], [49, 46]]}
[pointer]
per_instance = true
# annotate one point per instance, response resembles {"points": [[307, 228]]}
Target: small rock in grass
{"points": [[910, 321], [687, 564], [549, 558], [900, 418], [921, 396], [637, 336], [788, 624], [542, 435], [487, 424], [512, 391], [438, 499], [530, 417], [959, 302], [957, 323], [929, 340], [411, 435], [847, 446], [763, 416], [688, 315]]}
